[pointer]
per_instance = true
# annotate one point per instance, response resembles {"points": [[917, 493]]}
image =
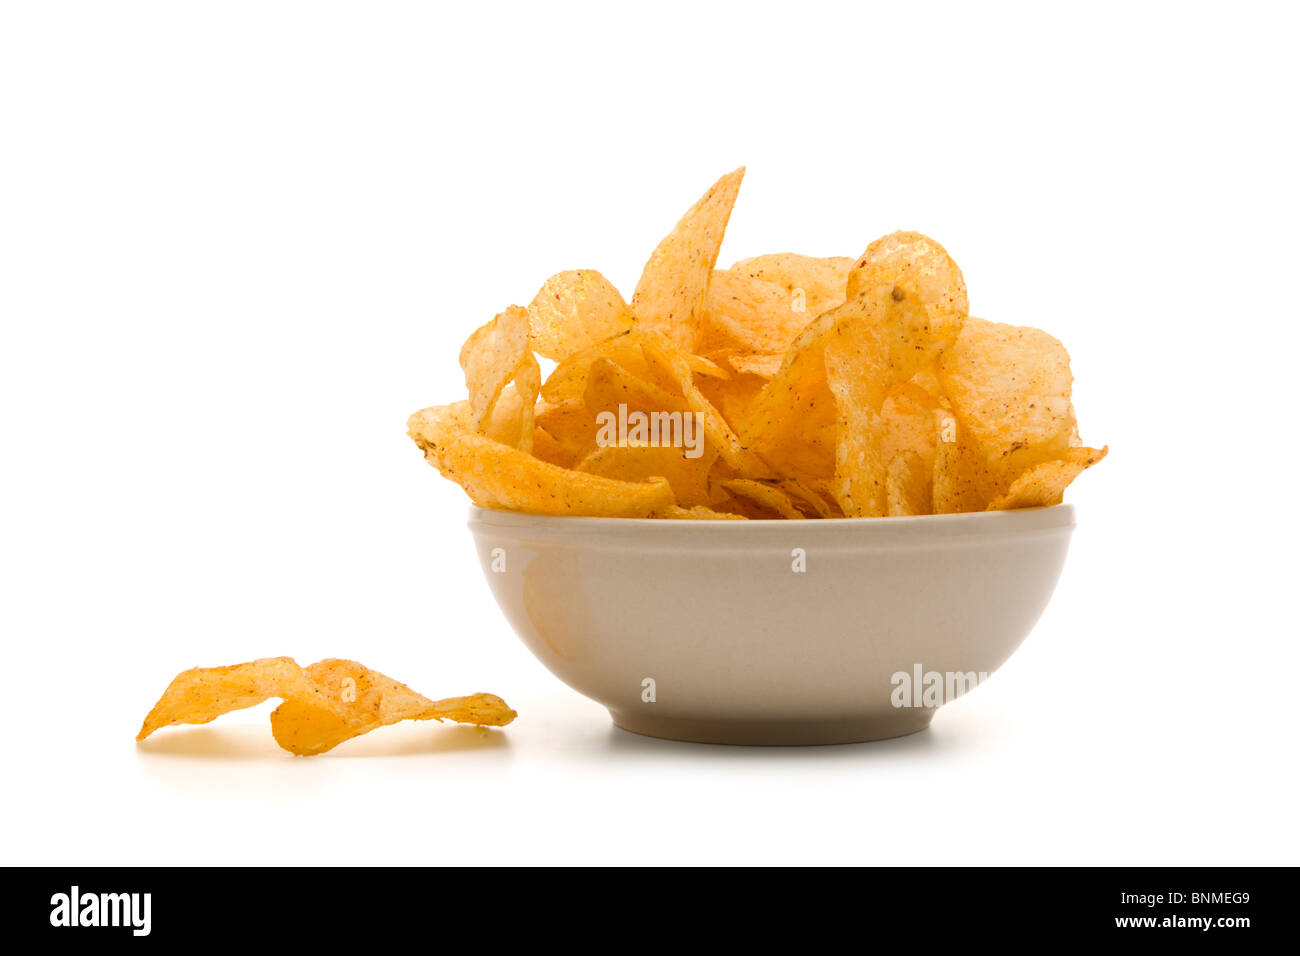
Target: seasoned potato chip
{"points": [[546, 448], [962, 481], [813, 285], [498, 476], [490, 358], [671, 366], [674, 285], [351, 700], [202, 694], [574, 311], [746, 314], [1045, 483], [907, 303], [569, 379], [765, 495], [1010, 387], [700, 513], [792, 423], [570, 425], [323, 705], [688, 477]]}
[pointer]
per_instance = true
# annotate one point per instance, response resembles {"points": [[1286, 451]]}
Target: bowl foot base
{"points": [[762, 733]]}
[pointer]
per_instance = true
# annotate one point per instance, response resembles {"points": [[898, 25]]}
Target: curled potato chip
{"points": [[351, 700], [674, 285], [323, 705], [766, 495], [1045, 483], [498, 476], [490, 358], [574, 311], [202, 694]]}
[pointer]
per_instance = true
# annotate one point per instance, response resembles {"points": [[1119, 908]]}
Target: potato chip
{"points": [[490, 358], [546, 448], [671, 366], [748, 315], [323, 705], [351, 700], [202, 694], [674, 285], [1010, 387], [813, 285], [792, 423], [498, 476], [569, 379], [766, 495], [700, 513], [569, 425], [575, 311], [907, 303], [962, 481], [1045, 483], [687, 476]]}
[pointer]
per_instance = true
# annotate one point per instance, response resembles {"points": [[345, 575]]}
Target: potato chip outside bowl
{"points": [[773, 632]]}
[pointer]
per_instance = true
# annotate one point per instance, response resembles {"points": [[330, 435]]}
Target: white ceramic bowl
{"points": [[710, 631]]}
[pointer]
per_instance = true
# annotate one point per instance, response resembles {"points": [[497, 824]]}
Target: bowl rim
{"points": [[1021, 520]]}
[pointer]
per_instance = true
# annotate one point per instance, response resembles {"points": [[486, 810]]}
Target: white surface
{"points": [[239, 243]]}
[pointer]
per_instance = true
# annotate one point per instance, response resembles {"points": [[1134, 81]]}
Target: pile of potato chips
{"points": [[323, 705], [822, 387]]}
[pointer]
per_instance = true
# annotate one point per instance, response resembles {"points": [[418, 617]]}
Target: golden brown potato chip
{"points": [[498, 476], [569, 379], [574, 311], [490, 358], [812, 284], [731, 396], [610, 385], [792, 423], [674, 285], [570, 424], [909, 434], [700, 513], [1010, 387], [546, 448], [766, 495], [323, 705], [671, 366], [688, 477], [511, 421], [962, 481], [748, 315], [1045, 483], [907, 303], [202, 694], [351, 700]]}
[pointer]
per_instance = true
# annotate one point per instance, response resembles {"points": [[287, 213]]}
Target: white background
{"points": [[240, 242]]}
